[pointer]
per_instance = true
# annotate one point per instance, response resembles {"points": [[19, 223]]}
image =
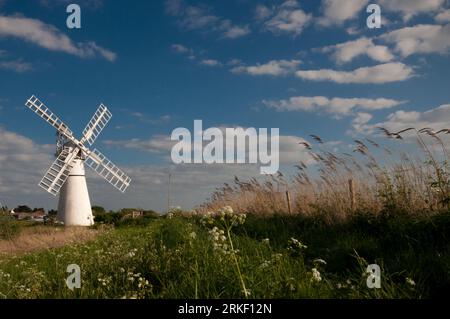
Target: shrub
{"points": [[9, 228]]}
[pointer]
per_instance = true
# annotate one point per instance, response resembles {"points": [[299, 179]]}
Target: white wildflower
{"points": [[247, 292], [192, 235], [410, 282], [315, 275], [319, 261]]}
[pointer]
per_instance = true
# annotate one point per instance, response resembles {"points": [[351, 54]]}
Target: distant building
{"points": [[134, 214], [35, 216]]}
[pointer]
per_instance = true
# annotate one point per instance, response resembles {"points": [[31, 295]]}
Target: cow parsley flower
{"points": [[315, 275], [410, 282]]}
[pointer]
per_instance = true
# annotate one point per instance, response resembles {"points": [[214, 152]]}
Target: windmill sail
{"points": [[96, 124], [58, 172], [40, 109], [106, 169]]}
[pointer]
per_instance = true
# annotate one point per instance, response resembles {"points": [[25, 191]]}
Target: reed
{"points": [[372, 177]]}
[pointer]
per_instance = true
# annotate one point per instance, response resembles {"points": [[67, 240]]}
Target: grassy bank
{"points": [[230, 256]]}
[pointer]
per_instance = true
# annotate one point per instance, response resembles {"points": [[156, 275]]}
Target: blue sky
{"points": [[306, 67]]}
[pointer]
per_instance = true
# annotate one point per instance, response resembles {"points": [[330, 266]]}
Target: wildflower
{"points": [[277, 256], [192, 235], [266, 241], [143, 283], [410, 282], [295, 246], [247, 292], [207, 219], [291, 283], [315, 275], [227, 210], [319, 261], [297, 243], [130, 276], [220, 242]]}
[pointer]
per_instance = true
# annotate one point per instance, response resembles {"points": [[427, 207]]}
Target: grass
{"points": [[186, 257], [9, 229], [395, 213], [387, 177], [32, 236]]}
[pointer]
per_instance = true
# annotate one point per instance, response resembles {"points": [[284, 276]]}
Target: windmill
{"points": [[66, 176]]}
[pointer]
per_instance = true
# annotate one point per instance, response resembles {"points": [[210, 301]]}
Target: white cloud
{"points": [[289, 151], [210, 62], [409, 8], [352, 31], [336, 105], [382, 73], [190, 17], [23, 163], [423, 38], [274, 68], [262, 12], [200, 18], [17, 66], [336, 12], [49, 37], [156, 144], [347, 51], [234, 62], [144, 118], [287, 18], [179, 48], [443, 16], [359, 123], [234, 31], [437, 118]]}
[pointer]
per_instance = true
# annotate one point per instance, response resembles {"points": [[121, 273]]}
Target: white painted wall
{"points": [[74, 207]]}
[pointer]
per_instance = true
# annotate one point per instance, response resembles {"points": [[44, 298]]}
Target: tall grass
{"points": [[384, 180], [9, 228]]}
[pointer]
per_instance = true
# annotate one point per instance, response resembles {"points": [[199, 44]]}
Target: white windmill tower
{"points": [[66, 175]]}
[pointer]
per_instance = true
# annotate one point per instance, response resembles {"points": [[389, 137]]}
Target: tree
{"points": [[23, 209], [52, 212], [98, 210]]}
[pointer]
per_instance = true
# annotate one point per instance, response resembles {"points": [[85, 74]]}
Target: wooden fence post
{"points": [[351, 188], [288, 199]]}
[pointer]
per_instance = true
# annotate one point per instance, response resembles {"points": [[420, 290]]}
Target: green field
{"points": [[281, 256]]}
